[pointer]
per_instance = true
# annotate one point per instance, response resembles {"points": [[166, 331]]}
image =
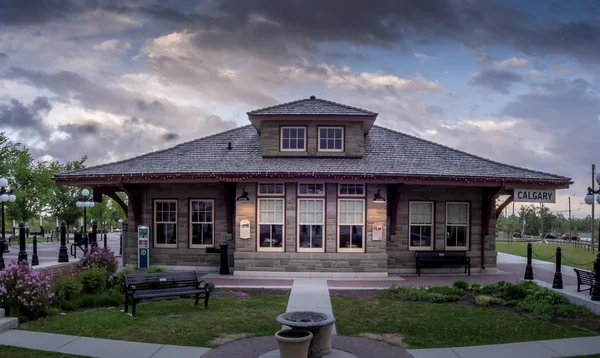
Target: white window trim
{"points": [[258, 223], [281, 139], [270, 195], [311, 195], [319, 149], [422, 248], [458, 248], [200, 246], [298, 248], [339, 189], [165, 222], [364, 239]]}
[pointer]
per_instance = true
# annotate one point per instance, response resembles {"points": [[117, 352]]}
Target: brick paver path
{"points": [[360, 347]]}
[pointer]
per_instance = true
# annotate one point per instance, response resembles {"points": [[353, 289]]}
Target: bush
{"points": [[155, 269], [513, 292], [210, 286], [476, 288], [543, 309], [483, 300], [25, 292], [433, 294], [512, 303], [67, 288], [92, 280], [461, 285], [445, 290], [118, 281], [572, 311], [489, 288], [103, 259]]}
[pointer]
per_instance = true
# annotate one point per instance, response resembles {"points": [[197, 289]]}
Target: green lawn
{"points": [[176, 322], [572, 256], [427, 325], [13, 352]]}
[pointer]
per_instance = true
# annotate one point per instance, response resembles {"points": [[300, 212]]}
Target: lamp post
{"points": [[5, 195], [589, 199], [85, 202], [121, 238]]}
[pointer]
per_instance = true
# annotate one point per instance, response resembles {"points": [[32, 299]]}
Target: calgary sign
{"points": [[535, 196]]}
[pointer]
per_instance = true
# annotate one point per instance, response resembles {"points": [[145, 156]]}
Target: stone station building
{"points": [[311, 186]]}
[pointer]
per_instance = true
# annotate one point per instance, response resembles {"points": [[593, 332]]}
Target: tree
{"points": [[63, 198]]}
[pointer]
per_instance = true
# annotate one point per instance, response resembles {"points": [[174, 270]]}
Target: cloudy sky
{"points": [[514, 81]]}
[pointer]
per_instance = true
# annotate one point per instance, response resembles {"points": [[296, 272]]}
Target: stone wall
{"points": [[247, 258], [401, 259], [182, 255], [353, 133], [58, 270]]}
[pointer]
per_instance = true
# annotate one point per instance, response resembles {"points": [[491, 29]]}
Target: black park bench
{"points": [[180, 283], [585, 277], [441, 258]]}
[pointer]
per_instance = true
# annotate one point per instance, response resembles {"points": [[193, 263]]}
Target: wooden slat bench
{"points": [[585, 277], [181, 283], [441, 258]]}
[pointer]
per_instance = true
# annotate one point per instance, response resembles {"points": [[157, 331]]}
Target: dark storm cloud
{"points": [[27, 12], [19, 116], [496, 80]]}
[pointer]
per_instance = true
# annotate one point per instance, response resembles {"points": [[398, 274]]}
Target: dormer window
{"points": [[293, 139], [331, 139]]}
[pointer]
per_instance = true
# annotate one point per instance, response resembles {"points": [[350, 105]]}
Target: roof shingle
{"points": [[387, 152], [312, 106]]}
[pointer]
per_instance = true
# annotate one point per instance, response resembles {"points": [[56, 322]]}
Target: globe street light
{"points": [[5, 195], [85, 202], [589, 199]]}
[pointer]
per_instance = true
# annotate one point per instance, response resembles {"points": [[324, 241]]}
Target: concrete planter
{"points": [[321, 342], [293, 343]]}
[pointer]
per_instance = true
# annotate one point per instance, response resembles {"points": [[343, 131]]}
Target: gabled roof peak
{"points": [[312, 106]]}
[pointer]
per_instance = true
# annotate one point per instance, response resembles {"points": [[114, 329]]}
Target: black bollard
{"points": [[596, 285], [105, 240], [121, 244], [14, 236], [529, 268], [558, 281], [1, 255], [224, 269], [34, 258], [22, 258], [63, 254], [94, 237]]}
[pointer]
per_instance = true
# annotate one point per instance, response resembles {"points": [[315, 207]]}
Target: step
{"points": [[8, 323]]}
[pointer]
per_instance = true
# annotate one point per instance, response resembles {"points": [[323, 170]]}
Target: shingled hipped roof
{"points": [[311, 106], [388, 155]]}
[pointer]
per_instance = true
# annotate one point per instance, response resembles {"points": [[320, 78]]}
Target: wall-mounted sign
{"points": [[535, 196], [377, 231], [244, 229]]}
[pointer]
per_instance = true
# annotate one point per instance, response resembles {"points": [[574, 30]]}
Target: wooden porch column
{"points": [[228, 190], [503, 205], [489, 204], [134, 194], [394, 196]]}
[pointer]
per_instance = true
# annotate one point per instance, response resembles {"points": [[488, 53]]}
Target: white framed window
{"points": [[457, 226], [351, 225], [351, 189], [271, 218], [311, 189], [293, 139], [273, 189], [421, 225], [202, 223], [165, 223], [311, 224], [331, 139]]}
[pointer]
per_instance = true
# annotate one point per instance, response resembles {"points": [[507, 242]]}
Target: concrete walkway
{"points": [[96, 347], [539, 349], [310, 295]]}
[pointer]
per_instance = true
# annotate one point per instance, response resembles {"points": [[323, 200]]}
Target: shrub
{"points": [[445, 290], [155, 269], [489, 288], [545, 295], [67, 288], [92, 280], [543, 309], [25, 292], [476, 288], [570, 310], [432, 294], [117, 280], [101, 258], [461, 285], [440, 297], [210, 286], [513, 292], [483, 300], [512, 303]]}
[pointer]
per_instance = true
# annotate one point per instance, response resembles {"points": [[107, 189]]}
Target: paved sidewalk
{"points": [[310, 295], [96, 347], [538, 349]]}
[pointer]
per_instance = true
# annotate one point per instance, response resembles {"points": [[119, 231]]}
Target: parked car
{"points": [[517, 235], [571, 237], [548, 236]]}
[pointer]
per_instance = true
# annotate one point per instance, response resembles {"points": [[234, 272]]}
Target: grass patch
{"points": [[11, 352], [430, 325], [572, 256], [176, 322]]}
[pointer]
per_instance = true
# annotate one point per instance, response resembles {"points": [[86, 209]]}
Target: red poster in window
{"points": [[377, 231]]}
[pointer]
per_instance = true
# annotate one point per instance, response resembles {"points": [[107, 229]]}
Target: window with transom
{"points": [[351, 224], [270, 224], [457, 226], [311, 223], [202, 220], [421, 225], [165, 223]]}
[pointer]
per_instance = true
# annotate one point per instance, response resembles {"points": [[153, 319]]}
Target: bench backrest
{"points": [[153, 281], [440, 254]]}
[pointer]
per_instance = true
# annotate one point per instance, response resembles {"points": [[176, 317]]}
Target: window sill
{"points": [[302, 250], [200, 246], [350, 251], [456, 248], [418, 248], [265, 249], [165, 246]]}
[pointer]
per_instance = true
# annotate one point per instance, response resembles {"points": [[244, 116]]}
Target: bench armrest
{"points": [[131, 288], [201, 284]]}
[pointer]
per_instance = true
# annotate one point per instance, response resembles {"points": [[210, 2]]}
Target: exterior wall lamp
{"points": [[377, 198], [244, 196]]}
